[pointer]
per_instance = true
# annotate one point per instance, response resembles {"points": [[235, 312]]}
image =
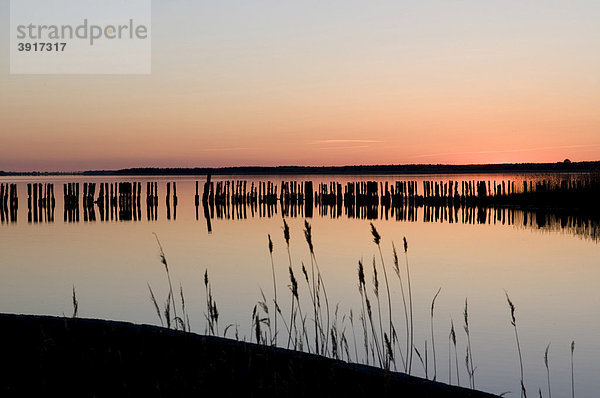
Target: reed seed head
{"points": [[388, 345], [361, 274], [304, 272], [546, 355], [433, 301], [215, 311], [466, 314], [452, 333], [572, 347], [286, 232], [257, 331], [375, 279], [308, 235], [181, 294], [512, 309], [75, 303], [396, 262], [405, 245], [376, 236], [163, 258], [369, 307], [263, 303], [270, 244], [294, 283]]}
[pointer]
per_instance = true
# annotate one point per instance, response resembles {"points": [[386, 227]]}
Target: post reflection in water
{"points": [[579, 225]]}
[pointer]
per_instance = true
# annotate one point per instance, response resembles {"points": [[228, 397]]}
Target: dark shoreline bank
{"points": [[559, 167], [88, 357]]}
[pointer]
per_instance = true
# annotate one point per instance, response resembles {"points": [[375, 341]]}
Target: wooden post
{"points": [[155, 194], [168, 193], [174, 193]]}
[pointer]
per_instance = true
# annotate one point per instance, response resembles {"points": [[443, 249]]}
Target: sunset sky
{"points": [[323, 83]]}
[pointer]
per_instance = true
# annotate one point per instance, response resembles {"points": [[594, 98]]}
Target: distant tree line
{"points": [[565, 166]]}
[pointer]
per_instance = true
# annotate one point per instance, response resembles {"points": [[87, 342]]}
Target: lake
{"points": [[548, 263]]}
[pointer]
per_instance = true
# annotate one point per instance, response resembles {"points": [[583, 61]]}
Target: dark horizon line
{"points": [[565, 166]]}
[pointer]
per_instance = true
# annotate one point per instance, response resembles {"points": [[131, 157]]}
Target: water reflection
{"points": [[112, 249]]}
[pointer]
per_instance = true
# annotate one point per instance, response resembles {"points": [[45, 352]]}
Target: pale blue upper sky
{"points": [[304, 82]]}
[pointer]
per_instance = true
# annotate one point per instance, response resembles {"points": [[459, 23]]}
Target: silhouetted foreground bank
{"points": [[49, 356]]}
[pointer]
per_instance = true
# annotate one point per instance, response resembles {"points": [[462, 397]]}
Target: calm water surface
{"points": [[551, 272]]}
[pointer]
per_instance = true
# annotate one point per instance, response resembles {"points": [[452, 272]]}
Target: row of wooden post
{"points": [[8, 196], [127, 195], [9, 203]]}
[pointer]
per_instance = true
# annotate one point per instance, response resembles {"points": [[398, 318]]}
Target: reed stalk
{"points": [[286, 237], [547, 369], [373, 332], [274, 285], [344, 341], [397, 269], [423, 362], [572, 370], [449, 359], [163, 260], [426, 362], [470, 370], [156, 307], [367, 302], [362, 290], [335, 339], [320, 282], [212, 312], [312, 287], [167, 311], [353, 335], [186, 319], [278, 310], [513, 322], [453, 338], [267, 321], [412, 333], [303, 319], [295, 296], [294, 285], [390, 351], [469, 373], [432, 335], [314, 303], [256, 325], [377, 241], [376, 292], [75, 303]]}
